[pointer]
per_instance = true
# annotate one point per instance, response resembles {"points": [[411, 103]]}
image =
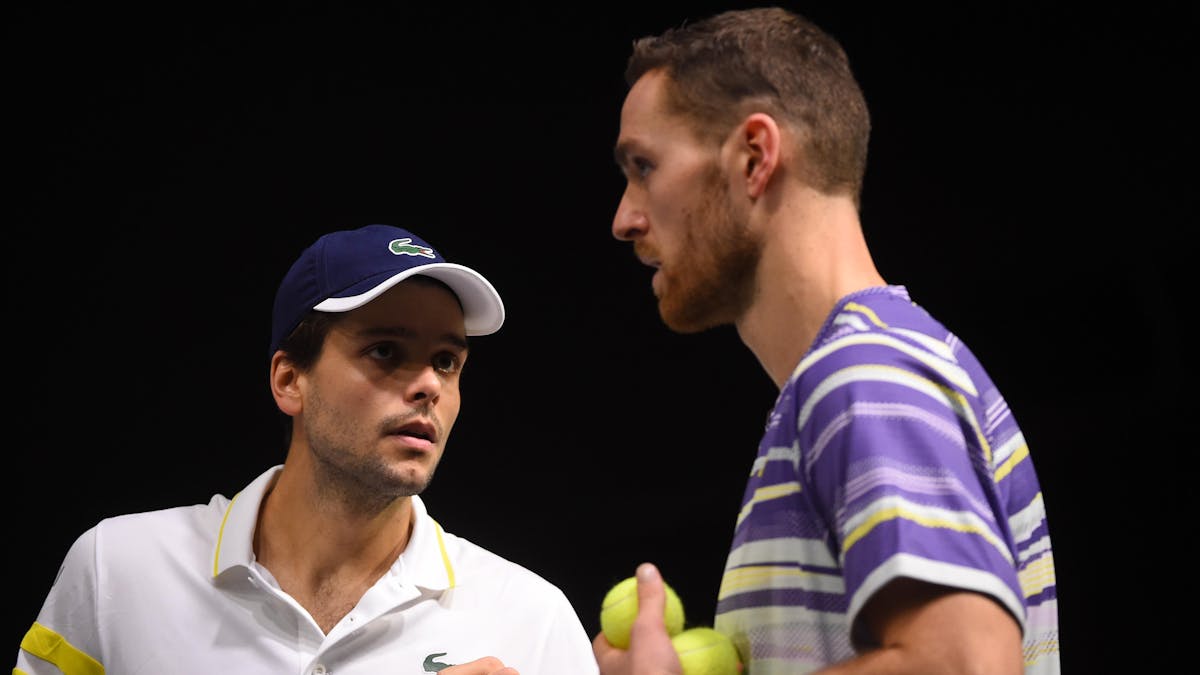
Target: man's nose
{"points": [[425, 387], [629, 222]]}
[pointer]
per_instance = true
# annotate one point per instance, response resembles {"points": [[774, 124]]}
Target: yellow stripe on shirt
{"points": [[50, 646]]}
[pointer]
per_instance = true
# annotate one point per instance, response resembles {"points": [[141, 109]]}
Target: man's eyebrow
{"points": [[456, 340], [621, 152]]}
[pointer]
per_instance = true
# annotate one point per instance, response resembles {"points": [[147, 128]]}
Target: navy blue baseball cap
{"points": [[347, 269]]}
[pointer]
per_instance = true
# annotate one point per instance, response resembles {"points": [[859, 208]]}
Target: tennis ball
{"points": [[704, 651], [620, 606]]}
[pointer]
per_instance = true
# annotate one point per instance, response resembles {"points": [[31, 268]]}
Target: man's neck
{"points": [[324, 553], [814, 255]]}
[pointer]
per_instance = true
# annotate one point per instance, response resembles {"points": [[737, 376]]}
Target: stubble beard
{"points": [[363, 480], [711, 283]]}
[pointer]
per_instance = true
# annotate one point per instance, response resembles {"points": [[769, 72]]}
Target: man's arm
{"points": [[931, 629]]}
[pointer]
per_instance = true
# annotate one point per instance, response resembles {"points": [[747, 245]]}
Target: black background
{"points": [[1030, 181]]}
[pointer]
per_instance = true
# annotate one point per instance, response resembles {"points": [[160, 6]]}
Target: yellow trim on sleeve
{"points": [[50, 646], [437, 529]]}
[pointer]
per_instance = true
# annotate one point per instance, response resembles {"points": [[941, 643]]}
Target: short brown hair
{"points": [[766, 60]]}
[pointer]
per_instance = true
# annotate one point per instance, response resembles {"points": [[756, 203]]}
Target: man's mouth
{"points": [[418, 429], [647, 257]]}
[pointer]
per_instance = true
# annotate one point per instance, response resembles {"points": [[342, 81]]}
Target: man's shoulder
{"points": [[162, 528], [131, 548], [168, 515], [885, 308], [876, 336]]}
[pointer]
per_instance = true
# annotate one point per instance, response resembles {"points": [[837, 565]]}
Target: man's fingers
{"points": [[652, 595], [488, 665]]}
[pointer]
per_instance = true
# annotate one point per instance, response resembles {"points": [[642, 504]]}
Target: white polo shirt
{"points": [[179, 591]]}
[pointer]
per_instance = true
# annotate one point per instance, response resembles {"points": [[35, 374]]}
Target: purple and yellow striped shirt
{"points": [[889, 453]]}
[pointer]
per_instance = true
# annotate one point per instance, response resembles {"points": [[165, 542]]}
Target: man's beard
{"points": [[362, 480], [711, 280]]}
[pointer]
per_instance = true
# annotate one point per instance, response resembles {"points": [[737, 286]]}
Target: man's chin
{"points": [[682, 322], [410, 482]]}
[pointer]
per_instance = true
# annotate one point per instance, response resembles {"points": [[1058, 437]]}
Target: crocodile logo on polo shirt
{"points": [[406, 247], [432, 666]]}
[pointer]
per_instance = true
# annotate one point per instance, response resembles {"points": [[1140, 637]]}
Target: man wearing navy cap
{"points": [[328, 563]]}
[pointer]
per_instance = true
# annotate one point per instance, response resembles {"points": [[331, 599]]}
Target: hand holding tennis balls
{"points": [[701, 650], [620, 608]]}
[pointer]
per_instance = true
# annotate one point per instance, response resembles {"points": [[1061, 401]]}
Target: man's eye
{"points": [[383, 351], [642, 166], [446, 362]]}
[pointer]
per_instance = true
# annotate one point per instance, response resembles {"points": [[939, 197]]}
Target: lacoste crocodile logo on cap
{"points": [[406, 247], [432, 666]]}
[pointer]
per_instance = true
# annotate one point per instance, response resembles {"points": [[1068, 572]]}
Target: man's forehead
{"points": [[643, 116], [393, 326], [646, 95]]}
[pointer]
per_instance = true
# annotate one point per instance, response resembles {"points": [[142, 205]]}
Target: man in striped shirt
{"points": [[892, 520]]}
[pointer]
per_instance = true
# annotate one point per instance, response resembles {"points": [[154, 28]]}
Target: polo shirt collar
{"points": [[426, 561]]}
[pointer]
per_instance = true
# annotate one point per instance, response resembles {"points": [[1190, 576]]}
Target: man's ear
{"points": [[759, 144], [285, 384]]}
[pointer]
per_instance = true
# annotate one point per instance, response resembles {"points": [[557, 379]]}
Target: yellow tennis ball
{"points": [[704, 651], [620, 606]]}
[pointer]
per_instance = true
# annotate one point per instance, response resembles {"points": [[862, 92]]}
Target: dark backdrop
{"points": [[1030, 181]]}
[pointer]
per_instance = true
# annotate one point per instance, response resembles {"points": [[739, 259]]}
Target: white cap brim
{"points": [[483, 310]]}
